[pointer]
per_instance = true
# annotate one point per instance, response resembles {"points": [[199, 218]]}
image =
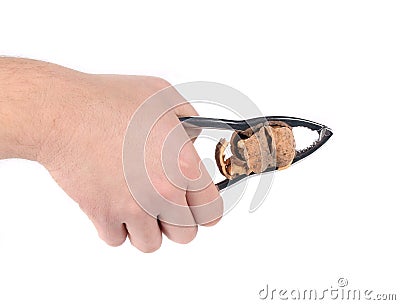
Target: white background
{"points": [[334, 215]]}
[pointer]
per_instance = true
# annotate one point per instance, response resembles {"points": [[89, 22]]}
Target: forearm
{"points": [[23, 85], [28, 114]]}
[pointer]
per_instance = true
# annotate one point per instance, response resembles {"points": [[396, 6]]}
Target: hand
{"points": [[84, 119]]}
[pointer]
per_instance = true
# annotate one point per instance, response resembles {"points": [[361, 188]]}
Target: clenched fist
{"points": [[75, 124]]}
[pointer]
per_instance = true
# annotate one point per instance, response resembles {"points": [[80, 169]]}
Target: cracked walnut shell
{"points": [[256, 149]]}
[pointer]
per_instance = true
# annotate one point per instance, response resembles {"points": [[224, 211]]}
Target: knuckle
{"points": [[167, 191], [133, 212]]}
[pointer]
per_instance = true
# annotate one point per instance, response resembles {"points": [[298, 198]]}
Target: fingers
{"points": [[206, 204], [143, 231], [179, 234], [176, 221], [114, 234], [202, 195]]}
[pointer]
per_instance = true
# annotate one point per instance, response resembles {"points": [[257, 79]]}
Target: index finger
{"points": [[202, 195]]}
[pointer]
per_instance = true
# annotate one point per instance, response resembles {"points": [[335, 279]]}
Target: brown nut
{"points": [[256, 149], [231, 167]]}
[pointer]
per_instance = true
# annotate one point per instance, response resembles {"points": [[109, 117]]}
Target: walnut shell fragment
{"points": [[256, 149]]}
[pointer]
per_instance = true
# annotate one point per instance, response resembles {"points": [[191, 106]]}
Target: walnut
{"points": [[256, 149]]}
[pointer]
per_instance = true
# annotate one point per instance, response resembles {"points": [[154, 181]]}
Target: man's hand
{"points": [[74, 124]]}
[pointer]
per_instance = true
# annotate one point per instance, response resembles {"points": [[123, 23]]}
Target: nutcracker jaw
{"points": [[324, 133]]}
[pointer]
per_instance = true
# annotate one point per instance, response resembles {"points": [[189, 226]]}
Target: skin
{"points": [[74, 124]]}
